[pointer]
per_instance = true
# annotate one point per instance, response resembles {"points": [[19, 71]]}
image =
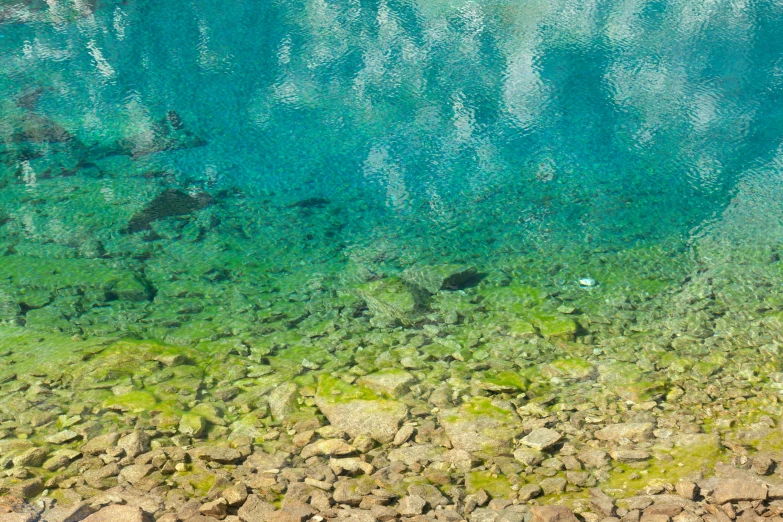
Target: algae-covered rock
{"points": [[440, 277], [569, 368], [630, 383], [192, 425], [358, 410], [391, 382], [507, 381], [554, 326], [282, 400], [390, 299], [481, 426]]}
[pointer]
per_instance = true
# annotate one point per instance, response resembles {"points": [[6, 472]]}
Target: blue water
{"points": [[442, 129]]}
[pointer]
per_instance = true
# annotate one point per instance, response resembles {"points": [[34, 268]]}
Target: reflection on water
{"points": [[432, 130]]}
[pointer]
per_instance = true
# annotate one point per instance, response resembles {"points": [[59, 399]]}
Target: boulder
{"points": [[358, 410], [481, 426], [440, 277]]}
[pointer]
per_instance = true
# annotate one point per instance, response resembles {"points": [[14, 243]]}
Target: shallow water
{"points": [[571, 209], [227, 160]]}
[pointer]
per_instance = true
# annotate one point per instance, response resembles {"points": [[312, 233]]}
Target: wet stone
{"points": [[738, 490], [541, 439]]}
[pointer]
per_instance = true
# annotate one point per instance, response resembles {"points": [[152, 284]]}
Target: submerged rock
{"points": [[390, 299], [440, 277], [358, 410], [481, 426], [170, 203]]}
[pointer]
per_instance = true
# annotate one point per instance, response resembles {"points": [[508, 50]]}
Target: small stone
{"points": [[593, 458], [33, 457], [329, 447], [528, 456], [405, 433], [219, 454], [62, 437], [411, 505], [100, 444], [255, 509], [193, 425], [687, 490], [529, 491], [553, 514], [587, 282], [235, 495], [554, 485], [217, 508], [135, 443], [629, 455], [320, 484], [542, 438], [136, 472]]}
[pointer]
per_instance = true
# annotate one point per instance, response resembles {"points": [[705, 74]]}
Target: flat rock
{"points": [[100, 444], [358, 410], [219, 454], [553, 514], [737, 490], [117, 513], [479, 426], [440, 277], [393, 383], [542, 438]]}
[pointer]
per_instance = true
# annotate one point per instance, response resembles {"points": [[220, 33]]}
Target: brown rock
{"points": [[553, 514], [255, 510], [294, 512], [18, 517], [219, 454], [217, 508], [411, 505], [669, 510], [736, 490], [687, 489], [117, 513], [635, 431], [235, 495]]}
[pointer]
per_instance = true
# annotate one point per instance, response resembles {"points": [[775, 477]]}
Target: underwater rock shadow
{"points": [[170, 203]]}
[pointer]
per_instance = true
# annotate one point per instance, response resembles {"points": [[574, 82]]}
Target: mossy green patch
{"points": [[688, 461], [335, 390], [569, 368], [134, 402], [496, 485]]}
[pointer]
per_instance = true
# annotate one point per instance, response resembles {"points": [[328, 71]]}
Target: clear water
{"points": [[524, 135]]}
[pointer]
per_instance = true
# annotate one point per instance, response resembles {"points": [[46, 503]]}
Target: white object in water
{"points": [[587, 282]]}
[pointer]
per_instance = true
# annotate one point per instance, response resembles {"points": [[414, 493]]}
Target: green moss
{"points": [[687, 462], [554, 326], [570, 368], [135, 402], [390, 298], [505, 381], [496, 486], [336, 390]]}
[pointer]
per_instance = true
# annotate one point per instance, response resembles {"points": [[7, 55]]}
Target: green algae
{"points": [[570, 368], [134, 402], [335, 390], [495, 485], [686, 461]]}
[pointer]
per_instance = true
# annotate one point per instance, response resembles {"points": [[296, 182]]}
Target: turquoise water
{"points": [[330, 143]]}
